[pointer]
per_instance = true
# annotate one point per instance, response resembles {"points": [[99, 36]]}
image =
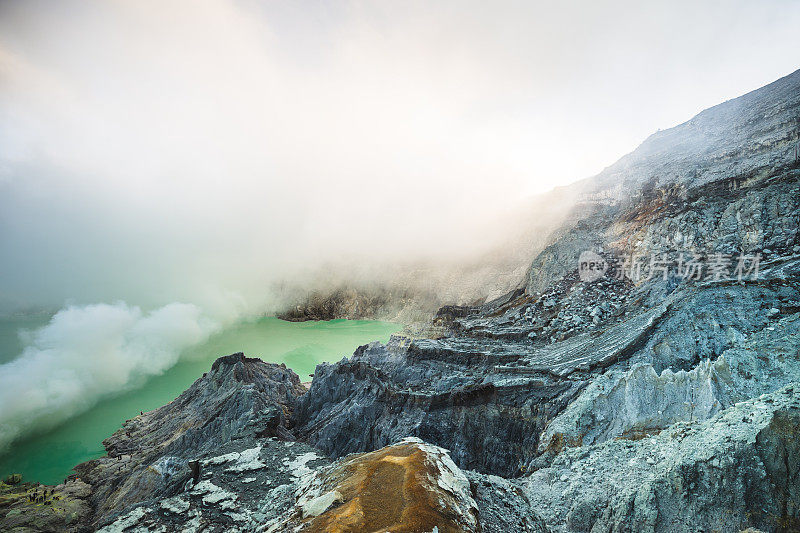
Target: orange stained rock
{"points": [[392, 489]]}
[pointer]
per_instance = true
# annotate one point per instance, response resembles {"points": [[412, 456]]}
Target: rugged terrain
{"points": [[629, 398]]}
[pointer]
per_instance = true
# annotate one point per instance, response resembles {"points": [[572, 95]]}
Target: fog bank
{"points": [[177, 151], [85, 353]]}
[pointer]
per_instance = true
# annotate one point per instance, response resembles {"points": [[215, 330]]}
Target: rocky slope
{"points": [[222, 457], [632, 395]]}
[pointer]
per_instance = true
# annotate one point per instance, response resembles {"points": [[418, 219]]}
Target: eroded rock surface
{"points": [[240, 399], [738, 469], [243, 486], [286, 486], [410, 486], [563, 365], [26, 506]]}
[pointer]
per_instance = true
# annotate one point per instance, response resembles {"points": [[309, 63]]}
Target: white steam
{"points": [[85, 353]]}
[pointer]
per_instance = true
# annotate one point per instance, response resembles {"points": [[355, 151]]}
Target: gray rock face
{"points": [[243, 485], [752, 134], [724, 181], [617, 403], [451, 398], [566, 366], [221, 457], [736, 470], [268, 485], [640, 401], [503, 505], [148, 458], [471, 393]]}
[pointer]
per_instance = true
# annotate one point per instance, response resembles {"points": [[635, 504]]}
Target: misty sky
{"points": [[158, 151]]}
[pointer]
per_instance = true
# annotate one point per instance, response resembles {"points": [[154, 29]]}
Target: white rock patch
{"points": [[175, 505], [124, 522], [212, 494], [298, 467], [218, 460], [320, 504], [247, 460]]}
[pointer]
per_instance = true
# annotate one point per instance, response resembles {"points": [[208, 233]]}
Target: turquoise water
{"points": [[49, 457]]}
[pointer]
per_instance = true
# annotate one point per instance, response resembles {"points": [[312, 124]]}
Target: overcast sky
{"points": [[148, 148]]}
